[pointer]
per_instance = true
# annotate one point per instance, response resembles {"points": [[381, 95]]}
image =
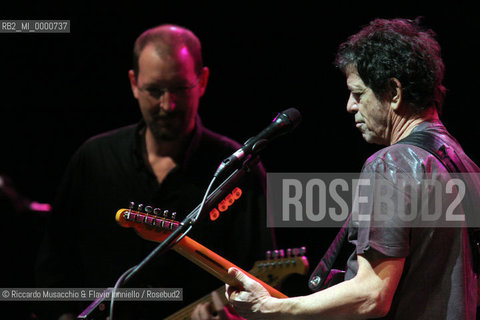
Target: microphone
{"points": [[283, 123]]}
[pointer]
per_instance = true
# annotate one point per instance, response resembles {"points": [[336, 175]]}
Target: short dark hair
{"points": [[401, 49], [167, 39]]}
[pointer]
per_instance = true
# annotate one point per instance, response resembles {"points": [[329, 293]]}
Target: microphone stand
{"points": [[97, 307]]}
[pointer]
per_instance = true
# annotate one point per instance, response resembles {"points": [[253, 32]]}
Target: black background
{"points": [[57, 90]]}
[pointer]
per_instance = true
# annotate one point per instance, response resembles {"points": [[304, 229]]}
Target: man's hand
{"points": [[251, 301], [215, 310]]}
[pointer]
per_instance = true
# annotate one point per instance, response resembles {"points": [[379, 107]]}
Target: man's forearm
{"points": [[347, 300], [368, 295]]}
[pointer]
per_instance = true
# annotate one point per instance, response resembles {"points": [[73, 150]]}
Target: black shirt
{"points": [[85, 247]]}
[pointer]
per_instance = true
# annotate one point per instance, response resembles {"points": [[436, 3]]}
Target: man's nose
{"points": [[352, 105], [167, 102]]}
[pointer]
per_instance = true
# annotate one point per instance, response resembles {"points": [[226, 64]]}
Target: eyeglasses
{"points": [[158, 92]]}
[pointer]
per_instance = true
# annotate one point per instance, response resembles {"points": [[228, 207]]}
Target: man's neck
{"points": [[158, 148], [403, 124], [163, 156]]}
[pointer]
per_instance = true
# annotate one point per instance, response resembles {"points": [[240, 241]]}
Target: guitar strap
{"points": [[450, 160], [323, 273]]}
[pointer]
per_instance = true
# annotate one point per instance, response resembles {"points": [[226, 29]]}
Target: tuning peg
{"points": [[148, 209], [303, 250], [282, 253], [296, 252], [140, 207], [269, 255], [157, 211], [289, 252], [174, 215], [131, 205], [275, 254], [165, 213]]}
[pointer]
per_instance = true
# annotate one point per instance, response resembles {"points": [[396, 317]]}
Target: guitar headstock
{"points": [[279, 265], [150, 223]]}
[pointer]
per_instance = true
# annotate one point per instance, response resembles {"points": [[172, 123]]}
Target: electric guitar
{"points": [[153, 227]]}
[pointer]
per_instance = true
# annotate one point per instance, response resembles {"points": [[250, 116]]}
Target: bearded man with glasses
{"points": [[166, 161]]}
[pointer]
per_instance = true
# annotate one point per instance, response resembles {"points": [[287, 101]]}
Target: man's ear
{"points": [[133, 83], [395, 93], [204, 80]]}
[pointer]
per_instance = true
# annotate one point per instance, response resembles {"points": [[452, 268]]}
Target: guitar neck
{"points": [[155, 228], [215, 264], [187, 247]]}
